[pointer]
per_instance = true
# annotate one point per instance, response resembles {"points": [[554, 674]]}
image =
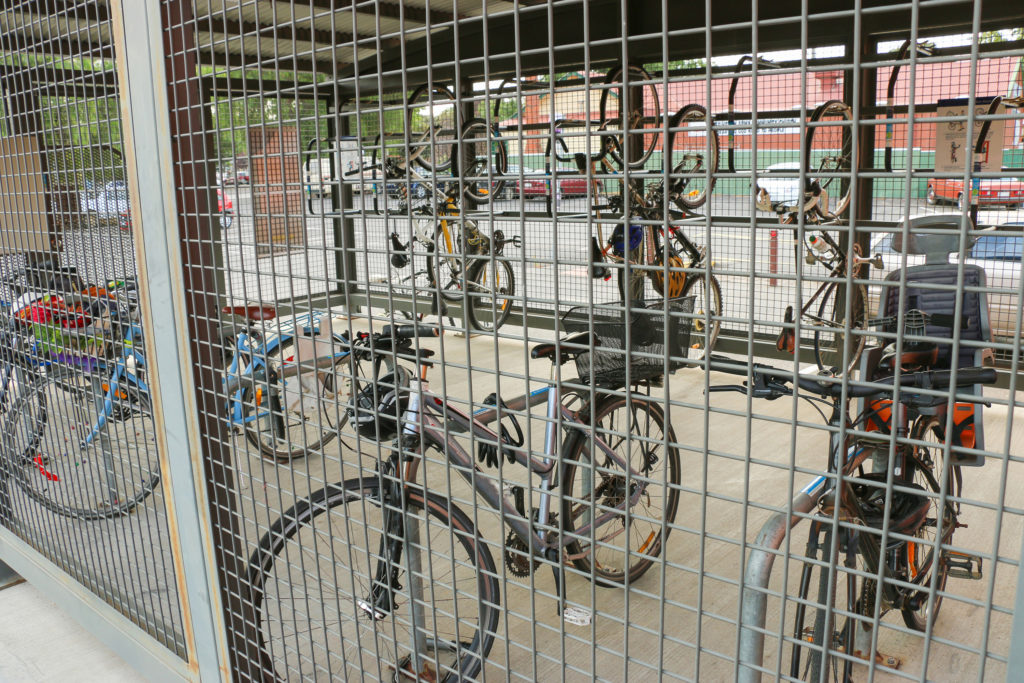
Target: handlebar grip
{"points": [[965, 377], [410, 331]]}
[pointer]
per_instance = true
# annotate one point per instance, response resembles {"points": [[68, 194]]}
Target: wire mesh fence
{"points": [[487, 303], [80, 476]]}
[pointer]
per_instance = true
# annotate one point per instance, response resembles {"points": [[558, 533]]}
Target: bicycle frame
{"points": [[248, 362], [430, 416]]}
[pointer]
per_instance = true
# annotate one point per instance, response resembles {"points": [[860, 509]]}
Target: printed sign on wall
{"points": [[953, 148]]}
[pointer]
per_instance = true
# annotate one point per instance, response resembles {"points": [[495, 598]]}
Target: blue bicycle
{"points": [[80, 438]]}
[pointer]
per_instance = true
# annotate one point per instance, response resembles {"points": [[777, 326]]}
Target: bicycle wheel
{"points": [[445, 262], [707, 304], [636, 285], [641, 123], [432, 120], [823, 638], [921, 560], [490, 290], [830, 151], [833, 348], [298, 414], [483, 162], [66, 462], [15, 374], [692, 155], [323, 608], [621, 549]]}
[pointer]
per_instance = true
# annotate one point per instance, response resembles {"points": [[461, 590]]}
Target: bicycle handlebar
{"points": [[770, 382], [409, 331]]}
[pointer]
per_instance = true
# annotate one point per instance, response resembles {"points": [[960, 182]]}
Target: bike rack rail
{"points": [[754, 605]]}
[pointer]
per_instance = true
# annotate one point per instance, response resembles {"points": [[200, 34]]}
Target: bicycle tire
{"points": [[692, 168], [701, 341], [596, 556], [436, 143], [919, 558], [482, 177], [377, 156], [107, 478], [303, 433], [360, 643], [824, 622], [821, 141], [490, 290], [14, 375], [445, 263], [640, 287], [830, 348], [635, 75]]}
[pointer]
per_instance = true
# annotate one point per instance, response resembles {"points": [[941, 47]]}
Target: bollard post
{"points": [[773, 257]]}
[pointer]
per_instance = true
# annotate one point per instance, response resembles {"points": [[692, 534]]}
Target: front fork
{"points": [[381, 600]]}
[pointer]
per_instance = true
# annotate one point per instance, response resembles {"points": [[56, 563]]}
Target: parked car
{"points": [[782, 191], [106, 204], [367, 175], [997, 252], [536, 183], [229, 175], [224, 205], [416, 190], [1008, 192]]}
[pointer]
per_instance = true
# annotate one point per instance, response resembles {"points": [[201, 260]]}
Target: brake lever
{"points": [[770, 390], [729, 387]]}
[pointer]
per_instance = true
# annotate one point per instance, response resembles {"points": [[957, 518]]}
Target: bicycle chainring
{"points": [[517, 557]]}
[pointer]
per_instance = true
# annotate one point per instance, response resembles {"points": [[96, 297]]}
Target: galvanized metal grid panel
{"points": [[309, 586], [80, 475]]}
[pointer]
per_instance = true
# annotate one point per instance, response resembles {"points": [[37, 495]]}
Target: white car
{"points": [[108, 203], [782, 191], [999, 255]]}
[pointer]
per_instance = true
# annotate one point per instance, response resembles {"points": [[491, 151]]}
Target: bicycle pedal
{"points": [[963, 566], [577, 616]]}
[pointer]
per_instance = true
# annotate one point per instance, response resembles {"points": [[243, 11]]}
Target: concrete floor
{"points": [[691, 596], [39, 642]]}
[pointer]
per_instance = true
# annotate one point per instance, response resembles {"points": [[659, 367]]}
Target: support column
{"points": [[164, 108]]}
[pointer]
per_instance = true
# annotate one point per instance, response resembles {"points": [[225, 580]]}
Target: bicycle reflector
{"points": [[963, 425]]}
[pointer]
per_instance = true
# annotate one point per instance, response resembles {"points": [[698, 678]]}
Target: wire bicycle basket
{"points": [[635, 344]]}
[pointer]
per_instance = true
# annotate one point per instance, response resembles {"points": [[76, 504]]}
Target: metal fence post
{"points": [[144, 103]]}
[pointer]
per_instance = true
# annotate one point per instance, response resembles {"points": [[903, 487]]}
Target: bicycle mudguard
{"points": [[787, 337]]}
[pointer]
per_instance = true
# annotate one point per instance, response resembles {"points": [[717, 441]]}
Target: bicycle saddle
{"points": [[252, 313], [550, 350]]}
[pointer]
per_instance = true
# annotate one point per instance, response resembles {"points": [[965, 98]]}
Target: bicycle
{"points": [[487, 281], [99, 460], [617, 459], [834, 348], [857, 511], [657, 240]]}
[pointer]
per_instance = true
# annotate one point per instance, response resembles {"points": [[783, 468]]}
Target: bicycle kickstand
{"points": [[577, 616]]}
